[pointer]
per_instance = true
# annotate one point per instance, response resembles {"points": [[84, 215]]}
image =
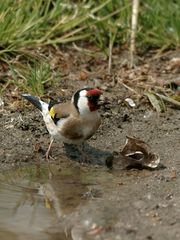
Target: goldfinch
{"points": [[71, 122]]}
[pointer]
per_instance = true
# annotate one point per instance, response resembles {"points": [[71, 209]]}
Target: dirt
{"points": [[121, 203]]}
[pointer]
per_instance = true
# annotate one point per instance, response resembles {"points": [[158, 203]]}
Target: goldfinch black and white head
{"points": [[86, 100]]}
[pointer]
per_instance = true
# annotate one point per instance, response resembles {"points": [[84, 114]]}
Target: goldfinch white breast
{"points": [[71, 122]]}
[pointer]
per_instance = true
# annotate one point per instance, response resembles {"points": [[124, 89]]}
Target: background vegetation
{"points": [[28, 27]]}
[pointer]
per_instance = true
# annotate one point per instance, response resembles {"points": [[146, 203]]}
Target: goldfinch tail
{"points": [[34, 100]]}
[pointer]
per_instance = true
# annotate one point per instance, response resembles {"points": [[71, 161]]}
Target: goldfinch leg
{"points": [[48, 151]]}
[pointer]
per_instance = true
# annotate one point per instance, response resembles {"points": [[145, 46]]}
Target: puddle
{"points": [[78, 202], [32, 206]]}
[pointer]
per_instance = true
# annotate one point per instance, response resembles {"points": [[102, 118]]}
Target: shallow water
{"points": [[34, 206], [88, 203]]}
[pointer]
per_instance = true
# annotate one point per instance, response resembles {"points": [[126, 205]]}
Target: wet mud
{"points": [[101, 199]]}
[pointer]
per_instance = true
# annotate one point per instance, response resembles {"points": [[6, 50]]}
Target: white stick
{"points": [[134, 20]]}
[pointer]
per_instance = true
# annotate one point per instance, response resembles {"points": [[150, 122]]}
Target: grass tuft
{"points": [[32, 78], [33, 24]]}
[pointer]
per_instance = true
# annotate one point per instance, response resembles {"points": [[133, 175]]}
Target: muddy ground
{"points": [[112, 203]]}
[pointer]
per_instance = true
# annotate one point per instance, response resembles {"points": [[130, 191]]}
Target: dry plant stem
{"points": [[130, 89], [168, 99], [134, 20], [110, 57]]}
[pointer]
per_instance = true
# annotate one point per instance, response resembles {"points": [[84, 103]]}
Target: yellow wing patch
{"points": [[52, 112]]}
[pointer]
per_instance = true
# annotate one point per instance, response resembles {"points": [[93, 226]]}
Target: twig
{"points": [[130, 89], [111, 43], [134, 20], [87, 51], [168, 99], [110, 57]]}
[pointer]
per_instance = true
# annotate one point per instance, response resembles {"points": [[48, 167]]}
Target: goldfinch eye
{"points": [[90, 98]]}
